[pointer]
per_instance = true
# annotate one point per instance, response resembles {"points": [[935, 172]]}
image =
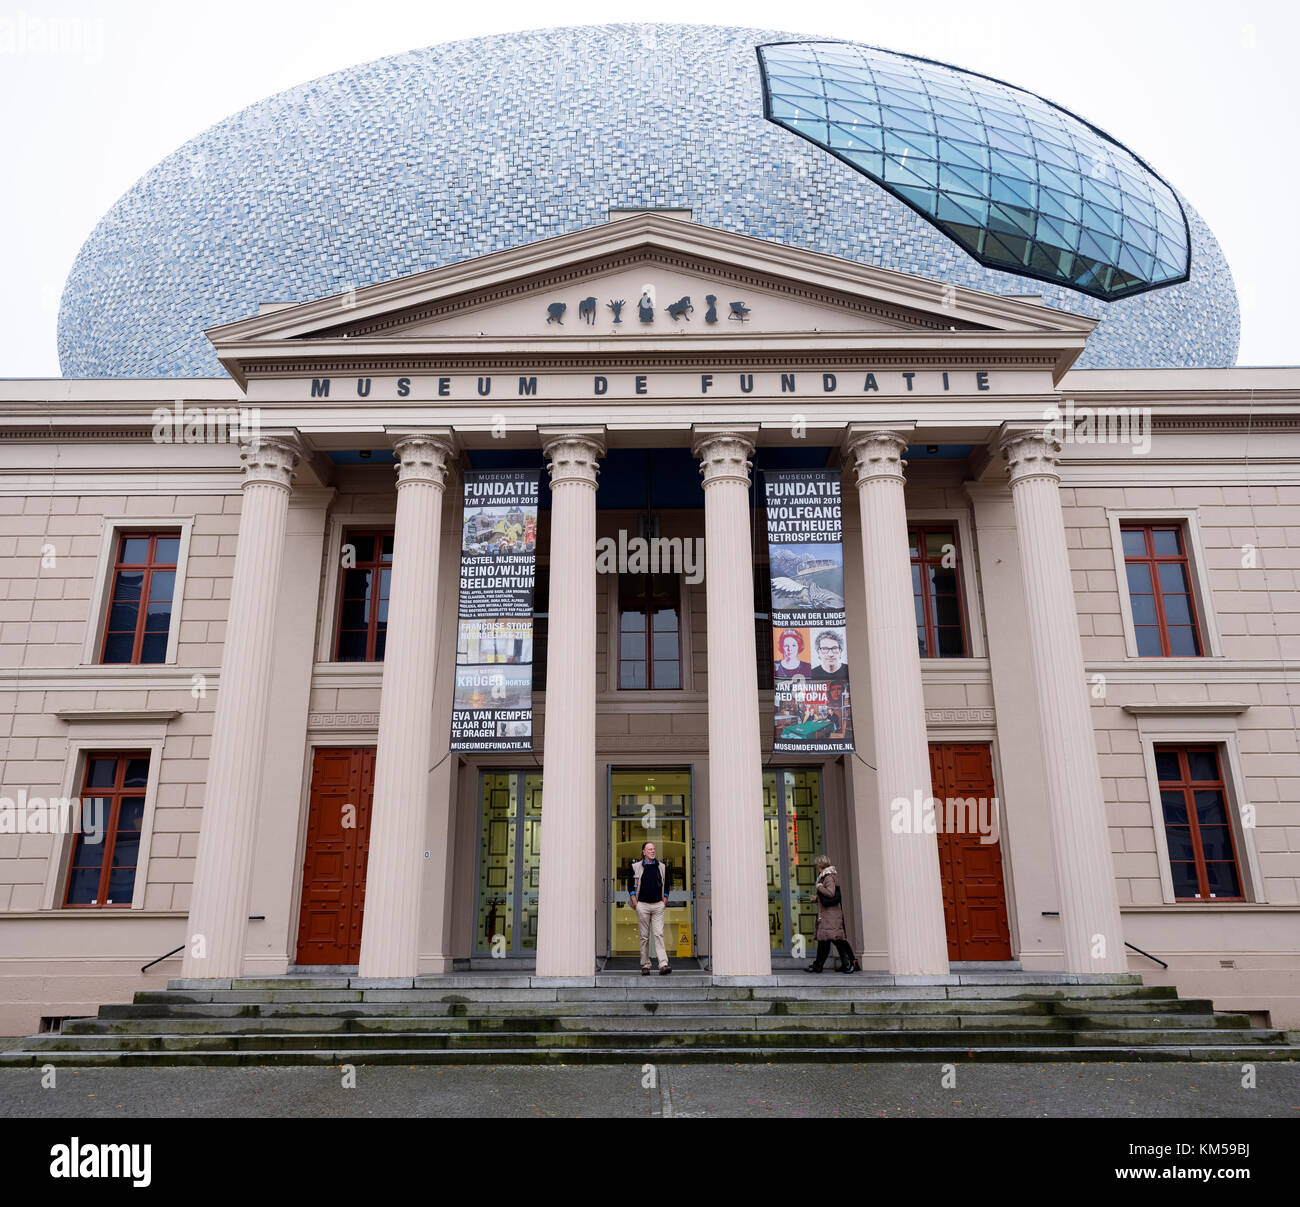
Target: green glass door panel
{"points": [[803, 827], [496, 862], [509, 862], [792, 835], [775, 869], [531, 861]]}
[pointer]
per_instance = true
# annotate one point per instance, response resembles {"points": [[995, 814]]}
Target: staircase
{"points": [[523, 1019]]}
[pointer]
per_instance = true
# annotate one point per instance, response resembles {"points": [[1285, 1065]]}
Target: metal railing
{"points": [[1148, 955], [160, 959], [1052, 913]]}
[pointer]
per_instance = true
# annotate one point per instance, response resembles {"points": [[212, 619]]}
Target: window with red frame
{"points": [[107, 847], [1160, 591], [649, 631], [1202, 848], [936, 592], [363, 597], [140, 606]]}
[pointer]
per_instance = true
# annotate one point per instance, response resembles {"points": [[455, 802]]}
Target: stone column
{"points": [[277, 860], [917, 934], [741, 945], [566, 897], [390, 927], [223, 866], [1085, 875]]}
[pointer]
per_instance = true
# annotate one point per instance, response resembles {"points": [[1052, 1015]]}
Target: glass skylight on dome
{"points": [[1019, 183]]}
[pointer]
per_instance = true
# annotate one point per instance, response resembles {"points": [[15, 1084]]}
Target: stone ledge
{"points": [[90, 716]]}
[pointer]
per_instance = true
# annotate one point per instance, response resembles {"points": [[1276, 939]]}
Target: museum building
{"points": [[235, 535]]}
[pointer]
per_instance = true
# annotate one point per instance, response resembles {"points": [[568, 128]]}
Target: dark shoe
{"points": [[854, 967], [665, 970], [645, 972], [812, 968]]}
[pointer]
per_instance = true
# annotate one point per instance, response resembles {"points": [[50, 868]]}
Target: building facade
{"points": [[229, 621]]}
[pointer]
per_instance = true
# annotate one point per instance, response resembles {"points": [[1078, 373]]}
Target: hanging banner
{"points": [[810, 650], [493, 704]]}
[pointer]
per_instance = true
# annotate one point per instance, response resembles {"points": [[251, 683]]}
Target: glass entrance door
{"points": [[651, 806], [792, 828], [509, 862]]}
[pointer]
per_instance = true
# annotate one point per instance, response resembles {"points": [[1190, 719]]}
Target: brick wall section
{"points": [[1257, 611], [44, 611]]}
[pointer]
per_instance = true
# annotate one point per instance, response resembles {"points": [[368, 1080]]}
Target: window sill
{"points": [[650, 700], [117, 668], [91, 911], [1173, 659], [1194, 708], [92, 715], [1210, 907]]}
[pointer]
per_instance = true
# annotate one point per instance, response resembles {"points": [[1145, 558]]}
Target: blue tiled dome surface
{"points": [[438, 155]]}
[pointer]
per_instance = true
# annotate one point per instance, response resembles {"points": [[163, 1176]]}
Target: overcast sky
{"points": [[93, 93]]}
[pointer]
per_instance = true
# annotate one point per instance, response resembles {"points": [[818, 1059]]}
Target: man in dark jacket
{"points": [[647, 886]]}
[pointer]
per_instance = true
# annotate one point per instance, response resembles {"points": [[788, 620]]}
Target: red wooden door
{"points": [[974, 897], [334, 871]]}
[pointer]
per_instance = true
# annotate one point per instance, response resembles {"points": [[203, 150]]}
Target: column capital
{"points": [[1030, 452], [724, 455], [423, 457], [270, 460], [878, 452], [573, 455]]}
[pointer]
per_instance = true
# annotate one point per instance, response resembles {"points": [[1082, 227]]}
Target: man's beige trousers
{"points": [[648, 916]]}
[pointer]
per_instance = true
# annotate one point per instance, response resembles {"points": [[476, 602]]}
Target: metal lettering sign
{"points": [[493, 704]]}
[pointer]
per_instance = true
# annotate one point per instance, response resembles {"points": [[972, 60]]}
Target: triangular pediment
{"points": [[642, 283], [645, 293]]}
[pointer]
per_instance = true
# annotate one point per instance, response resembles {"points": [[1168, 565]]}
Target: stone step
{"points": [[112, 1030], [111, 1023], [514, 1019], [442, 1037], [523, 979], [639, 989], [161, 1005], [656, 1032], [964, 1051]]}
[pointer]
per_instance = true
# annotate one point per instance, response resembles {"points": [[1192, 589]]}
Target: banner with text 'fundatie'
{"points": [[810, 651], [493, 706]]}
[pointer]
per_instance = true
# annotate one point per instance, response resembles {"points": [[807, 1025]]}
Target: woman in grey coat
{"points": [[830, 919]]}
